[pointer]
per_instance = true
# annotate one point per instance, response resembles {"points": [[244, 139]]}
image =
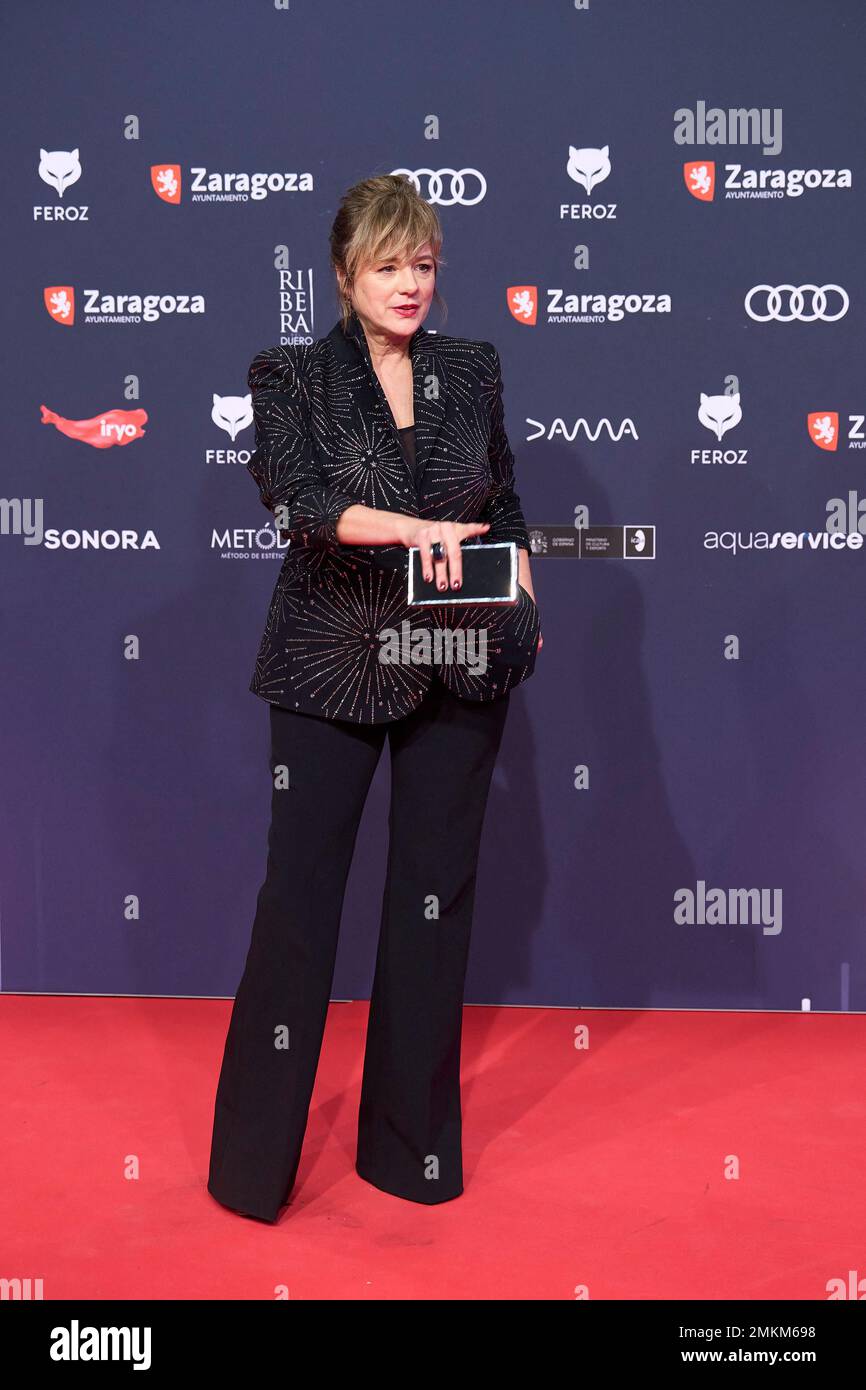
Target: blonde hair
{"points": [[381, 216]]}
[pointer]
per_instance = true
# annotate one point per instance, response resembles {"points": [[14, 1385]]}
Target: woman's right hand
{"points": [[423, 534]]}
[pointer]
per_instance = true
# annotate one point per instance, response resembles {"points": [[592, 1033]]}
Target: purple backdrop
{"points": [[694, 723]]}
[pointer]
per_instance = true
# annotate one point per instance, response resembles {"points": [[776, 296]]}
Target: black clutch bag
{"points": [[493, 602], [489, 576]]}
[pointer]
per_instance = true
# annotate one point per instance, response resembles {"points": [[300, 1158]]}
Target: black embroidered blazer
{"points": [[326, 439]]}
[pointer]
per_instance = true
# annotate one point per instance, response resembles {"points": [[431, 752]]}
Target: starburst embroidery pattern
{"points": [[326, 440]]}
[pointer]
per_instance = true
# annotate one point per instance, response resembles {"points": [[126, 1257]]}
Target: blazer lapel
{"points": [[428, 387]]}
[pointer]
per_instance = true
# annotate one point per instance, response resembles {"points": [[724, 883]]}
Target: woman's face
{"points": [[387, 286]]}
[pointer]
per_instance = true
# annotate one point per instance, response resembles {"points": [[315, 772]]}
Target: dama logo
{"points": [[60, 302], [523, 302], [700, 179], [823, 427], [166, 182], [112, 427]]}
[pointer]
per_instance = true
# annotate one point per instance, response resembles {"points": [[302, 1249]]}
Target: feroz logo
{"points": [[700, 179], [59, 169], [60, 302], [166, 180], [720, 413], [232, 413], [588, 166], [523, 302], [823, 427]]}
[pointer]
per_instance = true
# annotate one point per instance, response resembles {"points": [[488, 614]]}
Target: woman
{"points": [[377, 438]]}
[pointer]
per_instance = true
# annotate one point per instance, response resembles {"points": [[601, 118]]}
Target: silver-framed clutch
{"points": [[489, 576]]}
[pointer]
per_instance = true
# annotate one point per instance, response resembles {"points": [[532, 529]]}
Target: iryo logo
{"points": [[101, 431]]}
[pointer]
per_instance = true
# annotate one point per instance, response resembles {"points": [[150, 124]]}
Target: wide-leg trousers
{"points": [[410, 1122]]}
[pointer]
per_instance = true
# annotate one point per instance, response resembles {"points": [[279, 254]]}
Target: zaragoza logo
{"points": [[60, 303], [523, 302], [823, 426], [166, 180], [700, 177]]}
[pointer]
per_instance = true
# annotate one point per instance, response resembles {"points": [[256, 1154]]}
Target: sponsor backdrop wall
{"points": [[655, 211]]}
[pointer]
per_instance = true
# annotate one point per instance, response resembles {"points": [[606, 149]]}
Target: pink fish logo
{"points": [[103, 431]]}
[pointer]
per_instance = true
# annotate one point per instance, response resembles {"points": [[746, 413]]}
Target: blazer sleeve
{"points": [[502, 508], [285, 464]]}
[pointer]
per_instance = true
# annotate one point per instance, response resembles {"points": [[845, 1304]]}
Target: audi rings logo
{"points": [[456, 189], [796, 301]]}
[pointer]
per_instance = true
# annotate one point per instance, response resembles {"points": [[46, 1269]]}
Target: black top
{"points": [[407, 440]]}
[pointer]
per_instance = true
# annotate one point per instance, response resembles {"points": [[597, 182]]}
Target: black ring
{"points": [[436, 551]]}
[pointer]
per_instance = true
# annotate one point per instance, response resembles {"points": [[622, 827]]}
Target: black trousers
{"points": [[409, 1124]]}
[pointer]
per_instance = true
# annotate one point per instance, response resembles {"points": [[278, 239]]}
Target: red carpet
{"points": [[602, 1168]]}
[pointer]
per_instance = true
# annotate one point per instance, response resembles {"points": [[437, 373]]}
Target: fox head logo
{"points": [[166, 182], [720, 413], [700, 178], [60, 302], [588, 166], [523, 302], [59, 168], [232, 413], [823, 426]]}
